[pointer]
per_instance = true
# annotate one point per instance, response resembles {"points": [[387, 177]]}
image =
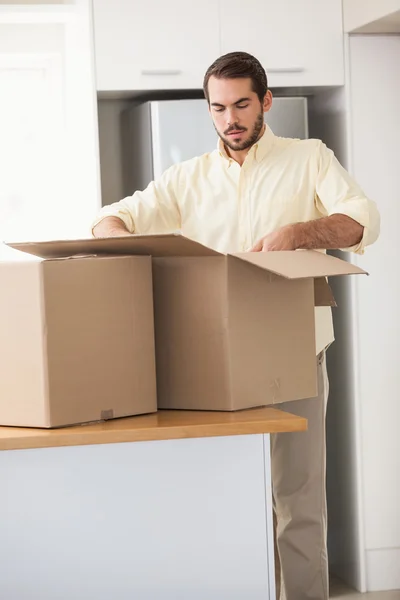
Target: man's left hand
{"points": [[282, 239]]}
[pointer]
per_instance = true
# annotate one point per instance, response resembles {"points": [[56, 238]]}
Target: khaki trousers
{"points": [[299, 495]]}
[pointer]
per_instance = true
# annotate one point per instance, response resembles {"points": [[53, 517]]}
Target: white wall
{"points": [[363, 443], [375, 116]]}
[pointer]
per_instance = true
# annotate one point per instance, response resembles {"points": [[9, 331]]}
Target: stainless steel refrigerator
{"points": [[171, 131]]}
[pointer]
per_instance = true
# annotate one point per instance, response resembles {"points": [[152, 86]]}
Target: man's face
{"points": [[236, 111]]}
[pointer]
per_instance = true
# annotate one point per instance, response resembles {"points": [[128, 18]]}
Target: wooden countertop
{"points": [[163, 425]]}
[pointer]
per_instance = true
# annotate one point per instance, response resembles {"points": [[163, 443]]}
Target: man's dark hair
{"points": [[237, 65]]}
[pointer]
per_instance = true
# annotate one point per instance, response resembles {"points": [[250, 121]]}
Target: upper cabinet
{"points": [[154, 44], [299, 42], [169, 45]]}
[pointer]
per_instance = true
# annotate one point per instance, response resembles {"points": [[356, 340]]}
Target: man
{"points": [[261, 192]]}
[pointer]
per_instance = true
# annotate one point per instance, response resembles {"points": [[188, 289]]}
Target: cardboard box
{"points": [[232, 331], [77, 340]]}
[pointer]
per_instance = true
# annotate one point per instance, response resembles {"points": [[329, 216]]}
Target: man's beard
{"points": [[255, 134]]}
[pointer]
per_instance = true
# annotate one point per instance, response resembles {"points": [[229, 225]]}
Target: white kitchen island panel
{"points": [[158, 520]]}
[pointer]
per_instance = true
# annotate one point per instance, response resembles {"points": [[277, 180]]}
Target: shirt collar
{"points": [[258, 151]]}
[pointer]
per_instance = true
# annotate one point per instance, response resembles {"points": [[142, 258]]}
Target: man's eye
{"points": [[218, 109], [242, 105]]}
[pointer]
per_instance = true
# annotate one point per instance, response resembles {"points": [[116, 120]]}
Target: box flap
{"points": [[173, 244], [300, 264], [323, 295]]}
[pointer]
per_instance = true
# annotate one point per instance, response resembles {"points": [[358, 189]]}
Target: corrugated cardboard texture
{"points": [[300, 264], [191, 323], [272, 337], [100, 338], [224, 337], [23, 381], [154, 245], [93, 337], [323, 295]]}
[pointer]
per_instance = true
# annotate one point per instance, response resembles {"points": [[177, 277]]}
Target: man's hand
{"points": [[327, 233], [282, 239], [110, 227]]}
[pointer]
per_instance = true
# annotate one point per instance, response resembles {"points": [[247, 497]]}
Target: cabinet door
{"points": [[299, 42], [153, 44]]}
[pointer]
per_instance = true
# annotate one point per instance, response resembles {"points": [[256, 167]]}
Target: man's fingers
{"points": [[265, 247], [262, 246], [257, 247]]}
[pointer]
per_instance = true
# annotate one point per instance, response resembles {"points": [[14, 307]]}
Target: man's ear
{"points": [[267, 103]]}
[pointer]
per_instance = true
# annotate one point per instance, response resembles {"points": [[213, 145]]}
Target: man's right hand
{"points": [[110, 227]]}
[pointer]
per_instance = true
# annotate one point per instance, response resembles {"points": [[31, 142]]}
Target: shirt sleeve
{"points": [[153, 210], [338, 193]]}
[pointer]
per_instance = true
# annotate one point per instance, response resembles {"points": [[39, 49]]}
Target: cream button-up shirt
{"points": [[228, 207]]}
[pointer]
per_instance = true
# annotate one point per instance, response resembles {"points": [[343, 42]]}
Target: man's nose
{"points": [[231, 116]]}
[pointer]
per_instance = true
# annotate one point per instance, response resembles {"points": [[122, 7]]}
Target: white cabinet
{"points": [[299, 42], [154, 44], [169, 45], [160, 520]]}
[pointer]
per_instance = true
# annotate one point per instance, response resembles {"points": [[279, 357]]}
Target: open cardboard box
{"points": [[232, 331]]}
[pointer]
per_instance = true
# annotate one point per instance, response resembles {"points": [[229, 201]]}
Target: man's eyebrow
{"points": [[237, 102]]}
